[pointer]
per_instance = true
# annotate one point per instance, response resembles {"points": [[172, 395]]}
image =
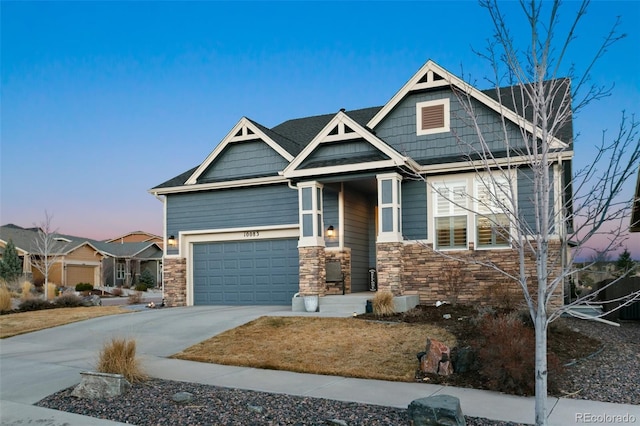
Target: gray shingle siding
{"points": [[398, 129], [345, 152], [232, 208], [414, 210], [526, 200], [232, 162]]}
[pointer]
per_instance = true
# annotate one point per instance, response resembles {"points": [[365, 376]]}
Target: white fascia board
{"points": [[232, 138], [21, 252], [372, 165], [473, 165], [324, 137], [452, 80], [269, 180]]}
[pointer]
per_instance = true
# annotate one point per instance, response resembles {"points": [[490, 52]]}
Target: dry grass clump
{"points": [[5, 299], [383, 303], [337, 346], [118, 356], [135, 298], [25, 290]]}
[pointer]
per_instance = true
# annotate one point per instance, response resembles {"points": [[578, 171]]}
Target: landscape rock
{"points": [[92, 300], [182, 397], [436, 410], [464, 360], [436, 359], [94, 385], [337, 422]]}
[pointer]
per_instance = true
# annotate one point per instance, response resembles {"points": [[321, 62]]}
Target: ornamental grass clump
{"points": [[118, 356], [383, 303], [5, 299], [26, 290]]}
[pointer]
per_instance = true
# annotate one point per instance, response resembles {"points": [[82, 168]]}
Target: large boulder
{"points": [[436, 359], [94, 385], [442, 410]]}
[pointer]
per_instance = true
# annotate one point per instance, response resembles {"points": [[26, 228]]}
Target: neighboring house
{"points": [[264, 214], [124, 262], [77, 260], [87, 260], [137, 237]]}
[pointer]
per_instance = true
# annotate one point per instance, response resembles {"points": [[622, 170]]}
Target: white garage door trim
{"points": [[188, 238]]}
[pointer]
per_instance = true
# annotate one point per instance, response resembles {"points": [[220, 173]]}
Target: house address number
{"points": [[248, 234]]}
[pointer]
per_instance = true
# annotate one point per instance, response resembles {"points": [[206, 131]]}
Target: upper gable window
{"points": [[432, 117]]}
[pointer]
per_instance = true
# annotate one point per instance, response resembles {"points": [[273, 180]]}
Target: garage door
{"points": [[258, 272], [80, 274]]}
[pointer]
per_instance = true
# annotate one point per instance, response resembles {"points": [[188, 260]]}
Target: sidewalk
{"points": [[38, 364]]}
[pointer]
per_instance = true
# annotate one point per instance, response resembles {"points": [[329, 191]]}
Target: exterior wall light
{"points": [[331, 231], [172, 241]]}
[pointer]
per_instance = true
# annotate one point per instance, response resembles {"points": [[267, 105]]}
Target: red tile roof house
{"points": [[268, 210]]}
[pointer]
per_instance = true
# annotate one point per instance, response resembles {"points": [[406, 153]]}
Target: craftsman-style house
{"points": [[269, 209]]}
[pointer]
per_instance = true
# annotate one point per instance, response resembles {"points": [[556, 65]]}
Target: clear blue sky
{"points": [[103, 100]]}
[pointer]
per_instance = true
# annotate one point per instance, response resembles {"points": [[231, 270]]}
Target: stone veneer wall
{"points": [[435, 277], [312, 270], [175, 281], [390, 265], [344, 257]]}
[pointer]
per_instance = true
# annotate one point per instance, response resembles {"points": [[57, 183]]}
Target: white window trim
{"points": [[471, 181], [483, 212], [442, 184], [395, 235], [317, 237], [447, 117]]}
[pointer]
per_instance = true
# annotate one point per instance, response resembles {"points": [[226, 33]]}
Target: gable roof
{"points": [[292, 138], [432, 75], [336, 130], [244, 130], [145, 235], [25, 240]]}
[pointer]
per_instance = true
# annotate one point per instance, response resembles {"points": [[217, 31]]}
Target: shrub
{"points": [[135, 298], [141, 287], [383, 303], [68, 300], [84, 287], [26, 290], [118, 356], [147, 278], [5, 298], [116, 291], [34, 304], [506, 354]]}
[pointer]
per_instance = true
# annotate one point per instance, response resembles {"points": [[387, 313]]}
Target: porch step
{"points": [[348, 304]]}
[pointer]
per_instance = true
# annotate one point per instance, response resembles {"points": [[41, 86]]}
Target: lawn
{"points": [[335, 346], [27, 322]]}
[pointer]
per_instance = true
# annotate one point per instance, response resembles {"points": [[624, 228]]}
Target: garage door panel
{"points": [[245, 272]]}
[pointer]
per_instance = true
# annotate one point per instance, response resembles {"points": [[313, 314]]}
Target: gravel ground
{"points": [[612, 375], [151, 404]]}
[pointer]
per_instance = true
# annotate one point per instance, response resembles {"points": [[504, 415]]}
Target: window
{"points": [[311, 224], [450, 215], [492, 223], [432, 117], [120, 271], [389, 204]]}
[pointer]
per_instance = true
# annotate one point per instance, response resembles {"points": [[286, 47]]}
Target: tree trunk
{"points": [[541, 365]]}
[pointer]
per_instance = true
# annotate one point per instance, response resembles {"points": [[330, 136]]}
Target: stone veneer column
{"points": [[389, 264], [175, 281], [312, 271], [344, 257]]}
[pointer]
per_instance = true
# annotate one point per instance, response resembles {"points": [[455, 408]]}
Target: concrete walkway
{"points": [[35, 365]]}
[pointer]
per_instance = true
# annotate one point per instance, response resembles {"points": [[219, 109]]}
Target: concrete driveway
{"points": [[35, 365]]}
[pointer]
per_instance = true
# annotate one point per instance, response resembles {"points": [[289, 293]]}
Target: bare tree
{"points": [[47, 250], [577, 209]]}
